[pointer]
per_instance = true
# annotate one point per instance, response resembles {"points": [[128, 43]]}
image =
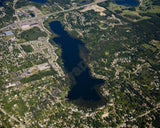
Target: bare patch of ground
{"points": [[96, 8], [105, 115]]}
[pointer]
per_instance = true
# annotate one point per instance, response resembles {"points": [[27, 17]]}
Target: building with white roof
{"points": [[8, 33]]}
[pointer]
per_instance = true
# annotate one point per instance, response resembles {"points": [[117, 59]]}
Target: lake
{"points": [[2, 2], [127, 2], [39, 1], [82, 83], [83, 2]]}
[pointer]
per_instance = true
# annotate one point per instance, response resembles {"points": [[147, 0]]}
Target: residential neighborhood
{"points": [[78, 63]]}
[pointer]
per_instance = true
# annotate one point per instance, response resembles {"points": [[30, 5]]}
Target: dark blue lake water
{"points": [[83, 84], [83, 2], [127, 2], [39, 1], [2, 2]]}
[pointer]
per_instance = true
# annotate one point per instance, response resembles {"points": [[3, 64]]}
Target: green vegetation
{"points": [[32, 34], [156, 43], [8, 11], [27, 48], [149, 47], [38, 76], [21, 3], [123, 48]]}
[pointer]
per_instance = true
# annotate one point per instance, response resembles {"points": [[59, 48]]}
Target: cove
{"points": [[127, 2], [83, 85]]}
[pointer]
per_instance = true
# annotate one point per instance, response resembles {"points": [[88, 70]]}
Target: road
{"points": [[14, 3], [19, 22], [12, 117], [146, 113]]}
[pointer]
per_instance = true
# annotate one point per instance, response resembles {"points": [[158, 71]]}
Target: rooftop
{"points": [[8, 33]]}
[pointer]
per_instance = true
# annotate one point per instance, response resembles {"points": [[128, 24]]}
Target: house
{"points": [[8, 33], [34, 24], [110, 103]]}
